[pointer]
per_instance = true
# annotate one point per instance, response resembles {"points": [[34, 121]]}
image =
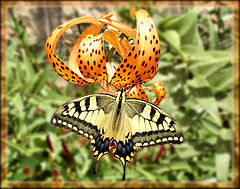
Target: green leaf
{"points": [[186, 151], [186, 26], [205, 97], [167, 37], [213, 36], [222, 166], [17, 146], [42, 78], [27, 66], [173, 38], [147, 174], [225, 81], [182, 165]]}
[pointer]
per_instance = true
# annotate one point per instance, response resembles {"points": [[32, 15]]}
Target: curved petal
{"points": [[120, 26], [105, 86], [111, 67], [60, 67], [112, 37], [65, 72], [159, 91], [92, 29], [141, 63], [91, 58], [138, 92]]}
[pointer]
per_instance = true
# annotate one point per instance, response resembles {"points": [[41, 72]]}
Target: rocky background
{"points": [[40, 21]]}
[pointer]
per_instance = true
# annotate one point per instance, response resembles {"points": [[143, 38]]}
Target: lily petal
{"points": [[91, 58], [138, 92], [159, 91], [141, 63], [105, 86], [92, 29], [112, 37], [60, 67], [120, 26]]}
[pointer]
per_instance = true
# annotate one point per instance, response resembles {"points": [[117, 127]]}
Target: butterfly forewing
{"points": [[87, 116], [150, 125]]}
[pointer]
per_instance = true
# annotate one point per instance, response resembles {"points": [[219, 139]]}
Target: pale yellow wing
{"points": [[150, 125], [89, 116]]}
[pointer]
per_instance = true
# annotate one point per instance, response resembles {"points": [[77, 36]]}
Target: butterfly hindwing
{"points": [[86, 116], [117, 124], [150, 125]]}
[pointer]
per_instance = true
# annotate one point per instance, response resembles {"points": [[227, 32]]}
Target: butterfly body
{"points": [[118, 125]]}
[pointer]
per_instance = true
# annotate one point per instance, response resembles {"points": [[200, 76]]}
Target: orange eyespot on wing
{"points": [[138, 92], [141, 63], [91, 58]]}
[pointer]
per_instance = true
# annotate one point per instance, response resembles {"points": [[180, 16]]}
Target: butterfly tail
{"points": [[124, 171]]}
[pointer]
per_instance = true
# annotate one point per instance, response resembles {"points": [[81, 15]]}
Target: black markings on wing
{"points": [[82, 115], [151, 125], [100, 146], [87, 102], [152, 113], [124, 151]]}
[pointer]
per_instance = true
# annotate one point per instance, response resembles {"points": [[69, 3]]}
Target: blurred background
{"points": [[195, 66]]}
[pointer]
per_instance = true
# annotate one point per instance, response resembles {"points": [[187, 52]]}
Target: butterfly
{"points": [[117, 125]]}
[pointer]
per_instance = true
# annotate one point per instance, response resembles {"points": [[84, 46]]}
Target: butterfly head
{"points": [[121, 97]]}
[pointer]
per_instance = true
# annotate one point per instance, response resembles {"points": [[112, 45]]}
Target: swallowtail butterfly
{"points": [[117, 124]]}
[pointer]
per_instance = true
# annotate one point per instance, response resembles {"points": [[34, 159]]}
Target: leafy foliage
{"points": [[196, 69]]}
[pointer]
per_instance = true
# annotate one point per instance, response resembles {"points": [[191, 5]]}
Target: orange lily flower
{"points": [[87, 62]]}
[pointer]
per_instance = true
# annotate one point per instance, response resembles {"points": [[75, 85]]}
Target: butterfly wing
{"points": [[150, 125], [89, 116]]}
